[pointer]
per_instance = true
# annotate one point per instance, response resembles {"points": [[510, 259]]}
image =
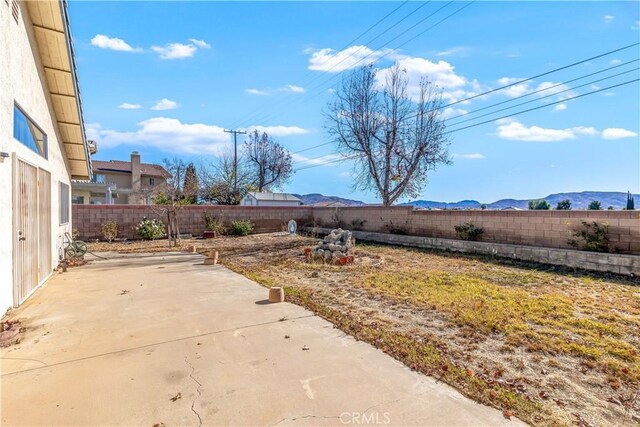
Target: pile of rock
{"points": [[334, 248]]}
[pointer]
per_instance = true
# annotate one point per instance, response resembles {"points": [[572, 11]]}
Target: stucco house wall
{"points": [[22, 81]]}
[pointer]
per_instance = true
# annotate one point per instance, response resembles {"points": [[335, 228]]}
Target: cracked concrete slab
{"points": [[93, 355]]}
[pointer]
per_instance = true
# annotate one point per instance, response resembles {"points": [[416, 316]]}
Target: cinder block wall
{"points": [[534, 228], [90, 218]]}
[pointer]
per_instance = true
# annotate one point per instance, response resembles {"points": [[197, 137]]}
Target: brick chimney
{"points": [[136, 171]]}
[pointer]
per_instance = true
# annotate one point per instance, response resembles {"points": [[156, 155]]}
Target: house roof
{"points": [[147, 169], [50, 22], [280, 197]]}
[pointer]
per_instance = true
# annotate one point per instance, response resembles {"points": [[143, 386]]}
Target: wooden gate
{"points": [[32, 228]]}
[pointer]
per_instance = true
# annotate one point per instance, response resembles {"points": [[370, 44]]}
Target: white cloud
{"points": [[293, 88], [636, 26], [200, 43], [473, 156], [169, 135], [256, 92], [560, 107], [127, 106], [329, 60], [165, 104], [454, 51], [515, 90], [609, 19], [278, 131], [453, 112], [175, 50], [615, 62], [513, 130], [617, 133], [113, 43], [441, 73], [173, 136]]}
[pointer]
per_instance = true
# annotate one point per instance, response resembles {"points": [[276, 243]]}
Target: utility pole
{"points": [[235, 155]]}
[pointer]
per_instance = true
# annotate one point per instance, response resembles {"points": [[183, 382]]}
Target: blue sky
{"points": [[165, 78]]}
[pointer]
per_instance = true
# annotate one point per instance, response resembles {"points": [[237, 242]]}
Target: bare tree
{"points": [[218, 184], [268, 161], [169, 197], [394, 139]]}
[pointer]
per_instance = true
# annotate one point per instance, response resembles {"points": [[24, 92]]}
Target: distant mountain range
{"points": [[579, 200], [320, 199]]}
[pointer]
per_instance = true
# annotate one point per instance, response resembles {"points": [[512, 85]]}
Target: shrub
{"points": [[150, 229], [211, 223], [109, 230], [483, 206], [564, 205], [591, 237], [242, 227], [357, 224], [539, 205], [595, 206], [336, 218], [395, 228], [468, 231]]}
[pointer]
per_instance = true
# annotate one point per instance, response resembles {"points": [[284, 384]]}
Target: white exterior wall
{"points": [[22, 80]]}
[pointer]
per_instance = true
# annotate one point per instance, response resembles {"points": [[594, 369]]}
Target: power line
{"points": [[546, 96], [555, 70], [544, 89], [493, 119], [323, 86], [525, 80], [348, 45]]}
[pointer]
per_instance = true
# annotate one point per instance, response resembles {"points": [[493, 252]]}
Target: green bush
{"points": [[595, 206], [212, 223], [109, 230], [539, 205], [591, 237], [150, 229], [564, 205], [468, 231], [242, 227]]}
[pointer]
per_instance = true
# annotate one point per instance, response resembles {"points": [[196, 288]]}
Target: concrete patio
{"points": [[163, 339]]}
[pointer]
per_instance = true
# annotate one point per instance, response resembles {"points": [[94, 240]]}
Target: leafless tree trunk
{"points": [[395, 139]]}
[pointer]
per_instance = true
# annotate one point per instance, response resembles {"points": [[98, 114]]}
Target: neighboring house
{"points": [[120, 183], [42, 143], [266, 198]]}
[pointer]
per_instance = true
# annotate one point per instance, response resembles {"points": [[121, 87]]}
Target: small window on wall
{"points": [[28, 133], [152, 181], [77, 200], [64, 203]]}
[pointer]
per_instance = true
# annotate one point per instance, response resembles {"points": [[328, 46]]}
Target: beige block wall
{"points": [[533, 228]]}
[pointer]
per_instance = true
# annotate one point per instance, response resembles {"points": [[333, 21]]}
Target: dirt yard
{"points": [[550, 346]]}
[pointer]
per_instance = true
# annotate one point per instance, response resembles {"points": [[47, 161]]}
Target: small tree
{"points": [[483, 206], [190, 186], [595, 206], [564, 205], [269, 163], [109, 230], [538, 205], [218, 184], [630, 201], [394, 137]]}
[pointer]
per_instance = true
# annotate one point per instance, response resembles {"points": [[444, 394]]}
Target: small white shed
{"points": [[266, 198]]}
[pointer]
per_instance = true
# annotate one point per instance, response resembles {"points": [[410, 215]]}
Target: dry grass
{"points": [[551, 346]]}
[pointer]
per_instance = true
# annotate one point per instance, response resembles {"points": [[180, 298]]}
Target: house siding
{"points": [[22, 81]]}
